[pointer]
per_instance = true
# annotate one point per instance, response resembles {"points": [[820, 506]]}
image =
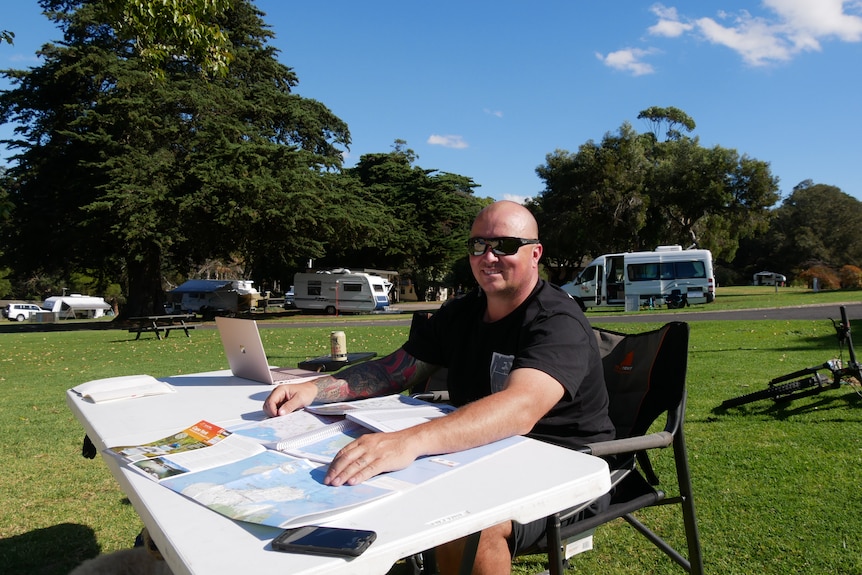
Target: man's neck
{"points": [[499, 305]]}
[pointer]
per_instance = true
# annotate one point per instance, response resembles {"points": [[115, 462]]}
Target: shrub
{"points": [[827, 278], [851, 277]]}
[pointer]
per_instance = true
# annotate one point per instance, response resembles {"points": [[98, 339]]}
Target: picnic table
{"points": [[160, 324]]}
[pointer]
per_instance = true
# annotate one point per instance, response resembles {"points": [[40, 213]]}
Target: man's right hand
{"points": [[289, 397]]}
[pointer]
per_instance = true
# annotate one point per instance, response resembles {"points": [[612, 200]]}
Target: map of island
{"points": [[271, 488]]}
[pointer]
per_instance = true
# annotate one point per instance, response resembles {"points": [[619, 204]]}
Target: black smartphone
{"points": [[324, 540]]}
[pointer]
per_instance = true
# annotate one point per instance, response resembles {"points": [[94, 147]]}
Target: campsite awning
{"points": [[201, 286]]}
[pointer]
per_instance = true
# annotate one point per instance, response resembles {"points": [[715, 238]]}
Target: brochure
{"points": [[123, 387]]}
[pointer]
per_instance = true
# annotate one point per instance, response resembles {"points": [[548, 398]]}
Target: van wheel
{"points": [[330, 310], [19, 317]]}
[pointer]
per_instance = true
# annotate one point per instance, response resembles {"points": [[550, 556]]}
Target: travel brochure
{"points": [[271, 471]]}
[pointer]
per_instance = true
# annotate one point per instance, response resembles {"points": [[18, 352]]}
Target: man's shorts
{"points": [[526, 536]]}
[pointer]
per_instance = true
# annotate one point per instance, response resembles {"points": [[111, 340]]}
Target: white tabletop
{"points": [[194, 539]]}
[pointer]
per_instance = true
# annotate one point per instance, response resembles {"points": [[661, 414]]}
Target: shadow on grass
{"points": [[52, 550], [788, 408]]}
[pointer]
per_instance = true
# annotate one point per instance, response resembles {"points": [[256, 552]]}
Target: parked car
{"points": [[289, 302], [22, 311]]}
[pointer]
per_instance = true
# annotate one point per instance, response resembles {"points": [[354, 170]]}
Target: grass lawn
{"points": [[776, 486]]}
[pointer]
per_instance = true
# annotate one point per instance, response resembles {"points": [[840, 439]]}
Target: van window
{"points": [[667, 271], [588, 275], [314, 287], [379, 287], [643, 272], [690, 270], [352, 287]]}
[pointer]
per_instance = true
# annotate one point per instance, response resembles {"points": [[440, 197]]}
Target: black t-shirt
{"points": [[547, 332]]}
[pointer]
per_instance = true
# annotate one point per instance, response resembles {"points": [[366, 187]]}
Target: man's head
{"points": [[508, 269]]}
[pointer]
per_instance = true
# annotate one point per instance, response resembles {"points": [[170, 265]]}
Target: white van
{"points": [[669, 275], [340, 290]]}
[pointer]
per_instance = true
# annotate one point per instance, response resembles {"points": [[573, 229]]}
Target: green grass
{"points": [[776, 488]]}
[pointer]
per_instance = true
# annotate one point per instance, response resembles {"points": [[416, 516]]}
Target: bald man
{"points": [[522, 360]]}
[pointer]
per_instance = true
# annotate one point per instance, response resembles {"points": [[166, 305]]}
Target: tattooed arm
{"points": [[391, 374]]}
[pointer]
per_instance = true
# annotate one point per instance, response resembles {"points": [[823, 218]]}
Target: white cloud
{"points": [[669, 24], [792, 27], [628, 60], [448, 141], [497, 113]]}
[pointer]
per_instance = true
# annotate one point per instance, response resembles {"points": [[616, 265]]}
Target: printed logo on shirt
{"points": [[501, 365]]}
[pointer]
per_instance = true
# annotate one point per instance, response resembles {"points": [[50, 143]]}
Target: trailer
{"points": [[340, 291], [769, 279], [669, 275]]}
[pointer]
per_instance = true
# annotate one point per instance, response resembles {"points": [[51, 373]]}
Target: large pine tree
{"points": [[119, 171]]}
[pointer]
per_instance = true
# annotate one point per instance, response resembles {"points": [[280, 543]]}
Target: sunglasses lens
{"points": [[506, 246], [478, 246], [498, 246]]}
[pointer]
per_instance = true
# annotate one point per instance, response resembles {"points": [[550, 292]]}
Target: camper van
{"points": [[669, 275], [340, 291]]}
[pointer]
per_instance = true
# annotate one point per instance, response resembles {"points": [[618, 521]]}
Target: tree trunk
{"points": [[146, 296]]}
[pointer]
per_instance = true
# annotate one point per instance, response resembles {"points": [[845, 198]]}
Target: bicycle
{"points": [[812, 380]]}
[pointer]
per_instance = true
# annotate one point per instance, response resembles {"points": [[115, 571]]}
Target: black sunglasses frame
{"points": [[504, 246]]}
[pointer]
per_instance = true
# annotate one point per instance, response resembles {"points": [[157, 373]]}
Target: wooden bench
{"points": [[163, 324]]}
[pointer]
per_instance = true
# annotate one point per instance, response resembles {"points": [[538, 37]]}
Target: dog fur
{"points": [[135, 561]]}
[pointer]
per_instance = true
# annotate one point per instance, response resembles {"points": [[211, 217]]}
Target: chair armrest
{"points": [[628, 445]]}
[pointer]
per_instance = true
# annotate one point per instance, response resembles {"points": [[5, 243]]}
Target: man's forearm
{"points": [[391, 374]]}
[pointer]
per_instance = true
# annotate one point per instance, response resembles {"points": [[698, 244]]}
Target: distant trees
{"points": [[816, 226], [634, 192], [430, 214], [129, 176]]}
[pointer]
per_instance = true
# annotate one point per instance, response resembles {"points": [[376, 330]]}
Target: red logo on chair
{"points": [[625, 366]]}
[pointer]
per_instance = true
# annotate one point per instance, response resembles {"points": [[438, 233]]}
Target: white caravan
{"points": [[669, 275], [339, 291]]}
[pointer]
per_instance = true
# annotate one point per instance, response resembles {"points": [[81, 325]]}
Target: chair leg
{"points": [[555, 549], [689, 517]]}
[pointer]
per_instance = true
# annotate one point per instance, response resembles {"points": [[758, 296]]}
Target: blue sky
{"points": [[488, 89]]}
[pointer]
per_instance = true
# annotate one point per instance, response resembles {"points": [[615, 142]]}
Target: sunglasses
{"points": [[498, 246]]}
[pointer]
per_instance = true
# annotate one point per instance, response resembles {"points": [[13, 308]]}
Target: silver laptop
{"points": [[244, 350]]}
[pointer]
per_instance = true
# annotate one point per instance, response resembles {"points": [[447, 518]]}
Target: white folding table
{"points": [[527, 481]]}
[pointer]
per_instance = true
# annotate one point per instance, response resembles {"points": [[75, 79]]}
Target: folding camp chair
{"points": [[645, 375]]}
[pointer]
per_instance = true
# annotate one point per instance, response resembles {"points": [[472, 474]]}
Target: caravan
{"points": [[669, 275], [340, 290]]}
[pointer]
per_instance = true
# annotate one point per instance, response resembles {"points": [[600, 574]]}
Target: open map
{"points": [[271, 488]]}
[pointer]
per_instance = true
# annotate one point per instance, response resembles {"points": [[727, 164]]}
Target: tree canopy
{"points": [[633, 192], [141, 176], [816, 224]]}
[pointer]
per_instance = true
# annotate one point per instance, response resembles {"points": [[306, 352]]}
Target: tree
{"points": [[592, 201], [632, 192], [430, 215], [708, 197], [673, 117], [815, 224], [128, 174]]}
